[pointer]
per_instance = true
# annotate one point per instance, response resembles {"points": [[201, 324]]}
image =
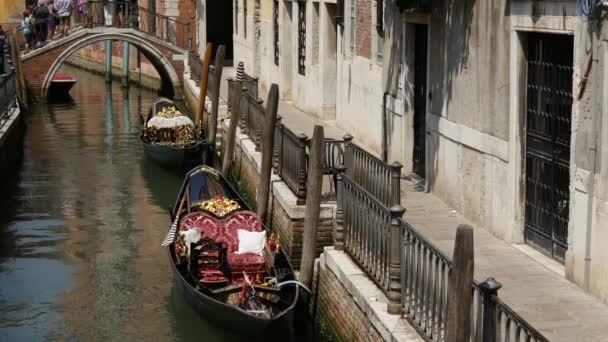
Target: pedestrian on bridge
{"points": [[52, 19], [64, 10], [26, 29], [41, 22]]}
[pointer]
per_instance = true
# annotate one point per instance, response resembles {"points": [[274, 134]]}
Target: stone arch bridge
{"points": [[40, 66]]}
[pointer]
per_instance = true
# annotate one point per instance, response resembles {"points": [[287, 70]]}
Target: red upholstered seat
{"points": [[226, 231], [246, 220], [207, 224], [246, 262]]}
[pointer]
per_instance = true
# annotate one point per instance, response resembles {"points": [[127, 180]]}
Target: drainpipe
{"points": [[591, 177], [384, 129]]}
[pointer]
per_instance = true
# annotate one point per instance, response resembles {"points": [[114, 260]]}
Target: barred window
{"points": [[302, 37], [236, 16], [245, 17], [275, 25], [351, 22]]}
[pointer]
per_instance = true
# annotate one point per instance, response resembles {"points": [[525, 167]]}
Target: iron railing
{"points": [[425, 271], [291, 159], [250, 83], [8, 89], [512, 327], [195, 64], [366, 231], [98, 13], [254, 115], [371, 173]]}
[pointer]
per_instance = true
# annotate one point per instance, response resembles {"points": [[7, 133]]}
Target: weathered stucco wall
{"points": [[314, 92]]}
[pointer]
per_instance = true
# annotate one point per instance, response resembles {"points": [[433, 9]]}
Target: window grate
{"points": [[302, 38], [275, 24], [245, 17], [236, 16]]}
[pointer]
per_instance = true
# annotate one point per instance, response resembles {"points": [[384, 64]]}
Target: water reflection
{"points": [[80, 226]]}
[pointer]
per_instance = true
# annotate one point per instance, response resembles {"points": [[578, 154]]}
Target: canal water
{"points": [[81, 222]]}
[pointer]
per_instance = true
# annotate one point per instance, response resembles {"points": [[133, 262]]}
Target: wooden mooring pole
{"points": [[313, 205], [203, 85], [460, 287], [234, 119], [272, 105], [215, 93]]}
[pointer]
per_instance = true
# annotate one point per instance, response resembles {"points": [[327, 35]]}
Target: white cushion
{"points": [[251, 242], [192, 235]]}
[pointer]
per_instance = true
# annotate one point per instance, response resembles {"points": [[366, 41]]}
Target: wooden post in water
{"points": [[460, 292], [313, 205], [234, 118], [215, 93], [204, 77], [272, 105]]}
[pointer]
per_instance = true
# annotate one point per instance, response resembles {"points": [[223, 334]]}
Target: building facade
{"points": [[496, 106]]}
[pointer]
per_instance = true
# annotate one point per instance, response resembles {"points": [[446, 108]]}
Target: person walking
{"points": [[26, 29], [64, 10], [52, 19], [41, 22], [83, 11]]}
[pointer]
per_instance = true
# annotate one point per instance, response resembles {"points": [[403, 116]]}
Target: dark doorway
{"points": [[420, 67], [548, 129], [219, 26]]}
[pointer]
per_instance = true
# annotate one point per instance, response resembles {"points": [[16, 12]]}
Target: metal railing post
{"points": [[258, 131], [339, 225], [396, 244], [278, 139], [301, 162], [489, 288], [348, 152], [396, 183], [245, 111]]}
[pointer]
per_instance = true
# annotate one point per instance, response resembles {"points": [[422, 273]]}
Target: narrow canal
{"points": [[81, 222]]}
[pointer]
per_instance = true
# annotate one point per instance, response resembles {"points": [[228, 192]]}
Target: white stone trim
{"points": [[469, 137]]}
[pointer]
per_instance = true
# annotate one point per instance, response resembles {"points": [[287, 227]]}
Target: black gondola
{"points": [[246, 292], [169, 136]]}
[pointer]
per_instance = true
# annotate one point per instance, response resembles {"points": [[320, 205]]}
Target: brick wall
{"points": [[338, 315], [364, 28]]}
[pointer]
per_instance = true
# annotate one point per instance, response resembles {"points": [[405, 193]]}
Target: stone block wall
{"points": [[338, 315], [290, 229]]}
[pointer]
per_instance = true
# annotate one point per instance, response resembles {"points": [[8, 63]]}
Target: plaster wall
{"points": [[359, 100], [314, 92]]}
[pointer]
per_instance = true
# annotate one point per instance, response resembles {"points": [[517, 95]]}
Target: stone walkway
{"points": [[559, 309]]}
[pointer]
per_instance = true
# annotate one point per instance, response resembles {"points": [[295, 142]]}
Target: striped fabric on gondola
{"points": [[171, 234]]}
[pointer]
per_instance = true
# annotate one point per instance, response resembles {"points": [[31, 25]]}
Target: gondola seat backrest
{"points": [[222, 230]]}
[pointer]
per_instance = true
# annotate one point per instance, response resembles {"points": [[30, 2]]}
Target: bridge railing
{"points": [[123, 14], [8, 86]]}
